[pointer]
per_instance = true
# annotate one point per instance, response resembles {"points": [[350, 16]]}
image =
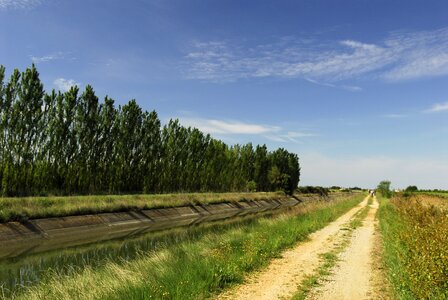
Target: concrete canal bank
{"points": [[39, 235]]}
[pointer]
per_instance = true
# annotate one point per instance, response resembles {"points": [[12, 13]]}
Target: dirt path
{"points": [[281, 278], [354, 276]]}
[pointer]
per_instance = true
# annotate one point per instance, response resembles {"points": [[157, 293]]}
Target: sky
{"points": [[358, 89]]}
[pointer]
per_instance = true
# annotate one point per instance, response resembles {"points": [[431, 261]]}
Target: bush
{"points": [[411, 189], [384, 189], [313, 190]]}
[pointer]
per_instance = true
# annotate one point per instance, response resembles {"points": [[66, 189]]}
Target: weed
{"points": [[416, 248]]}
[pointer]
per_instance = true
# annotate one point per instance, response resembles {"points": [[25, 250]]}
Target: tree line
{"points": [[67, 143]]}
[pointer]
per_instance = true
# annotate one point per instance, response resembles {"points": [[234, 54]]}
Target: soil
{"points": [[283, 276], [353, 277]]}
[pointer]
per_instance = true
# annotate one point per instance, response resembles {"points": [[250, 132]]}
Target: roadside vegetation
{"points": [[199, 268], [23, 208], [71, 143], [415, 247], [383, 189], [439, 194]]}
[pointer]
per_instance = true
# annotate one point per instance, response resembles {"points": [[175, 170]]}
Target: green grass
{"points": [[198, 268], [415, 243], [330, 260], [357, 220], [19, 209]]}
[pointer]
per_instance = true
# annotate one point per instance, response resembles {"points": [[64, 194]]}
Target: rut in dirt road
{"points": [[282, 277], [352, 279]]}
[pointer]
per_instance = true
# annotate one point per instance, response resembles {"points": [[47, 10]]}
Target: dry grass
{"points": [[433, 200], [19, 209], [415, 235]]}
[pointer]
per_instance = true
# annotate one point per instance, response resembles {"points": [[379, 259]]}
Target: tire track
{"points": [[281, 278]]}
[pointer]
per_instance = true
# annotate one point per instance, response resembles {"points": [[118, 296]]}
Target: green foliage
{"points": [[411, 189], [251, 186], [72, 143], [313, 190], [384, 189], [416, 248]]}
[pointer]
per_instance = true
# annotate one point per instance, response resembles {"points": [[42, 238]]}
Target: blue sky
{"points": [[359, 89]]}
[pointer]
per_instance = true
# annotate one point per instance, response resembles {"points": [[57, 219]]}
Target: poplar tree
{"points": [[151, 156], [87, 131], [107, 141], [9, 120], [63, 143]]}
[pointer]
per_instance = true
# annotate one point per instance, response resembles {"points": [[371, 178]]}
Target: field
{"points": [[343, 249], [197, 267], [415, 235]]}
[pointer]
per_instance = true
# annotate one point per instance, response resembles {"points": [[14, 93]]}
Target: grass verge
{"points": [[330, 258], [19, 209], [415, 248], [194, 269]]}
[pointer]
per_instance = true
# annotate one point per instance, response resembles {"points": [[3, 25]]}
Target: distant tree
{"points": [[261, 168], [278, 180], [384, 188], [411, 189], [107, 142], [313, 190], [287, 165], [151, 152], [88, 131], [130, 133]]}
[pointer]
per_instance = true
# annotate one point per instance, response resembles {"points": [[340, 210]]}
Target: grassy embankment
{"points": [[415, 238], [199, 268], [13, 209]]}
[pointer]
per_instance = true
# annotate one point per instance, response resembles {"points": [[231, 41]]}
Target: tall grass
{"points": [[198, 268], [415, 238], [442, 194], [17, 209]]}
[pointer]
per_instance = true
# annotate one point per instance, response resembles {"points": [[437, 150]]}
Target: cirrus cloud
{"points": [[228, 127], [438, 107], [18, 4], [399, 56]]}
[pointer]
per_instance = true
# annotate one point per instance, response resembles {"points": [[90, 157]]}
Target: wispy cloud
{"points": [[228, 127], [18, 4], [351, 88], [232, 128], [64, 85], [290, 136], [399, 56], [394, 116], [49, 57], [438, 107]]}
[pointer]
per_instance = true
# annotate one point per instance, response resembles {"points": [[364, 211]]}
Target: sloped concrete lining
{"points": [[53, 233]]}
